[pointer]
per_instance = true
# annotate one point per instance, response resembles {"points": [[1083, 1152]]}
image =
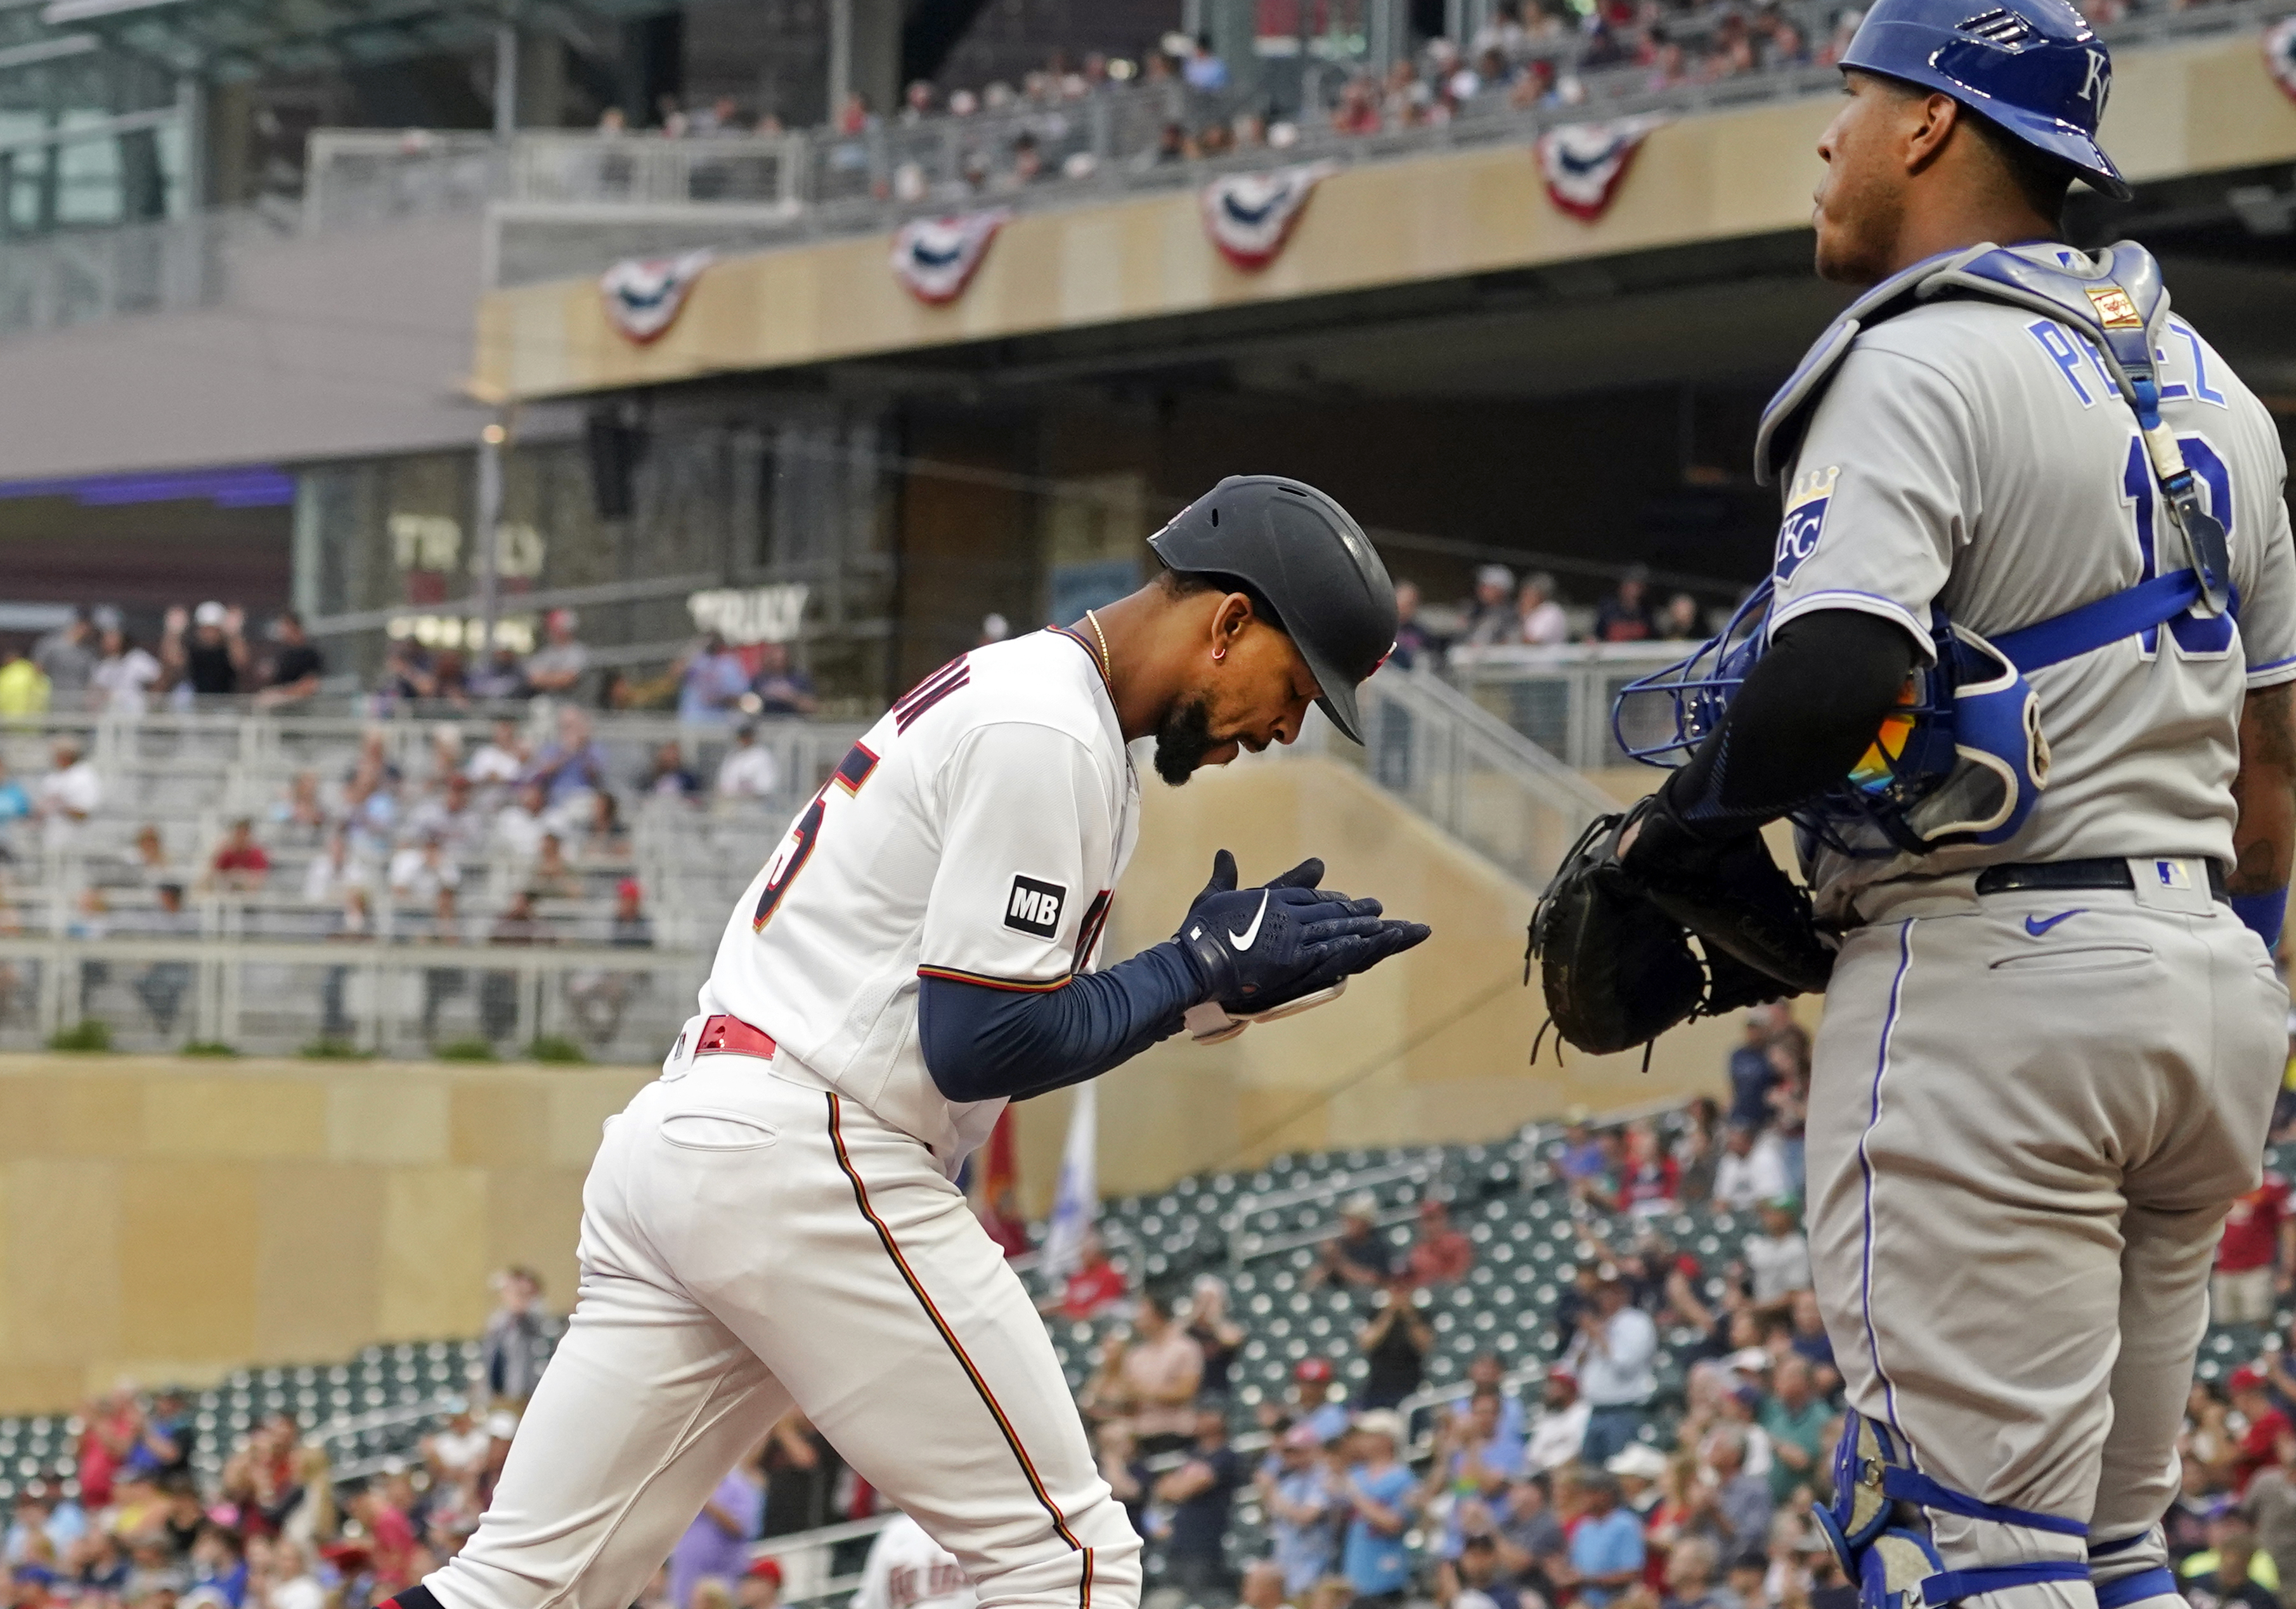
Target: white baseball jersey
{"points": [[908, 1570], [975, 833], [1976, 455]]}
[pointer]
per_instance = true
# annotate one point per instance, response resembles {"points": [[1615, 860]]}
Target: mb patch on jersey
{"points": [[1805, 519], [1034, 908]]}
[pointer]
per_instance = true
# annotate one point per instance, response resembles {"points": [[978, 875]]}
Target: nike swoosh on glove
{"points": [[1256, 947]]}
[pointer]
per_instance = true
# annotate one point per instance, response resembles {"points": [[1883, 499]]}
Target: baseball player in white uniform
{"points": [[2053, 1030], [773, 1220], [908, 1570]]}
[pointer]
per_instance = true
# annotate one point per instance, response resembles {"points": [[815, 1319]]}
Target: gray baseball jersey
{"points": [[2029, 1110], [1974, 455]]}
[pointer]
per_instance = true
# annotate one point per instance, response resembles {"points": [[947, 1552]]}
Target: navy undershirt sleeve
{"points": [[1808, 709], [982, 1043]]}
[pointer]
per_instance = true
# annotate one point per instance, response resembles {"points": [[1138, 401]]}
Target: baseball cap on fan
{"points": [[1307, 557]]}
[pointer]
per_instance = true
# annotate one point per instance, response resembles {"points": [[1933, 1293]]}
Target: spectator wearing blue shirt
{"points": [[15, 805], [1582, 1157], [1606, 1549], [1296, 1493], [571, 764], [1376, 1561], [1473, 1463], [1201, 1495], [1750, 1072], [710, 682]]}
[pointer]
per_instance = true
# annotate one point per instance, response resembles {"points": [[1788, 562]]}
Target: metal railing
{"points": [[1468, 772], [1560, 698], [1245, 1244], [344, 997]]}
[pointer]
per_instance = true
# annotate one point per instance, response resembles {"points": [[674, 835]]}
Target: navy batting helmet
{"points": [[1310, 561], [2033, 66]]}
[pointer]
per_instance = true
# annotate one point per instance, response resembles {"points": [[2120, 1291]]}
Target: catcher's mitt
{"points": [[1616, 970], [1731, 896], [1617, 967]]}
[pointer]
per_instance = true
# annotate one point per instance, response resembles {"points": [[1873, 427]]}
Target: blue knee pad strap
{"points": [[1895, 1566], [2158, 1582]]}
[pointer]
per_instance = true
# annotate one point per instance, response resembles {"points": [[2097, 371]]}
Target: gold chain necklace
{"points": [[1107, 669]]}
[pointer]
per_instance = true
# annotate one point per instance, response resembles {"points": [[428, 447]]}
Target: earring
{"points": [[1219, 653]]}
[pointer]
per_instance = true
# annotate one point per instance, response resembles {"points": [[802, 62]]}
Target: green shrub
{"points": [[89, 1035], [333, 1050], [466, 1050], [208, 1047], [555, 1047]]}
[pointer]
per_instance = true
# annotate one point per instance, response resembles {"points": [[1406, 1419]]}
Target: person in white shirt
{"points": [[748, 771], [68, 794], [1777, 1259], [908, 1570], [1752, 1169], [501, 760], [334, 873], [1559, 1429], [124, 677], [1538, 618], [1611, 1356], [418, 871], [519, 825]]}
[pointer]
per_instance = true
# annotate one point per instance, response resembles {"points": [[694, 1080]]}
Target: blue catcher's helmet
{"points": [[2033, 66], [1959, 759]]}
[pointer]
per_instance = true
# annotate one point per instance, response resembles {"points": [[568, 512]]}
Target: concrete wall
{"points": [[344, 344], [171, 1218]]}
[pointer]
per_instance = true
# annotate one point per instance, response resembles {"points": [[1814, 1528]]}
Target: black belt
{"points": [[2061, 875]]}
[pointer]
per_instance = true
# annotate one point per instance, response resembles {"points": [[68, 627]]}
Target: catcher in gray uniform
{"points": [[2022, 675]]}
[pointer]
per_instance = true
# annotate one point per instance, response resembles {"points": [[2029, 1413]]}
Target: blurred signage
{"points": [[750, 614]]}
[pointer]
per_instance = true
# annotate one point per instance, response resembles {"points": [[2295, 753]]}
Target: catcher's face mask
{"points": [[1960, 760]]}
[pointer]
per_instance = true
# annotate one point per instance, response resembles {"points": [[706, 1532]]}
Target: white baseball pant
{"points": [[750, 1238], [2022, 1143]]}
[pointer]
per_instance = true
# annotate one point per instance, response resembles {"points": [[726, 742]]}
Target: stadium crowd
{"points": [[1579, 1479]]}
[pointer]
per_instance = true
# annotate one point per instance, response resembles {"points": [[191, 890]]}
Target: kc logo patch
{"points": [[1805, 519], [1034, 908]]}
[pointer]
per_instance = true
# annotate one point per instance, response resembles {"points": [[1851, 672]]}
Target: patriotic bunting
{"points": [[1250, 215], [936, 258], [645, 295], [2280, 54], [1583, 163]]}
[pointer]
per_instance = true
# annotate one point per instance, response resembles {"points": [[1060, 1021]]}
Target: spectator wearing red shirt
{"points": [[2255, 1257], [389, 1539], [1649, 1177], [2259, 1444], [1442, 1254], [1096, 1284], [240, 865]]}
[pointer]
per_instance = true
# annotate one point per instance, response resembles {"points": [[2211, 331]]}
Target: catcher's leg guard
{"points": [[2132, 1571], [1878, 1532]]}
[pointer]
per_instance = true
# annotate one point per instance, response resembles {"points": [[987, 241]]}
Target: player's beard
{"points": [[1184, 739]]}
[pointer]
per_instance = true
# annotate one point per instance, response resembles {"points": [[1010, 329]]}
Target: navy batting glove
{"points": [[1250, 945]]}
